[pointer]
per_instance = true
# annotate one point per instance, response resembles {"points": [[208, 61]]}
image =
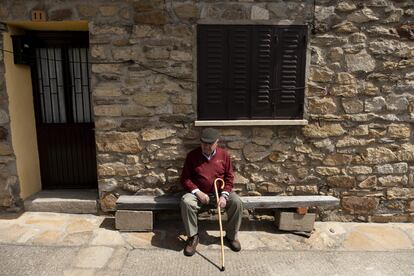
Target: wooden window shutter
{"points": [[251, 71], [262, 72], [239, 72], [290, 71], [212, 72]]}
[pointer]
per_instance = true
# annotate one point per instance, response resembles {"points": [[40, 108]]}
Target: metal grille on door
{"points": [[53, 100]]}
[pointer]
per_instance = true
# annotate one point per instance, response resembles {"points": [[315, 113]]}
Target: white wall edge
{"points": [[252, 123]]}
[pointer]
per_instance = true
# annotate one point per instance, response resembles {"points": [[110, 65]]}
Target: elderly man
{"points": [[202, 166]]}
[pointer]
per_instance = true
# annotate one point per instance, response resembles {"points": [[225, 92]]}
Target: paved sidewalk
{"points": [[68, 261], [64, 244]]}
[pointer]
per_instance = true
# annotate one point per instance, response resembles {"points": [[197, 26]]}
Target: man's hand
{"points": [[222, 202], [202, 197]]}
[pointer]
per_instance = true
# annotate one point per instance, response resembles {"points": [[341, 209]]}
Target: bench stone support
{"points": [[291, 221], [127, 220]]}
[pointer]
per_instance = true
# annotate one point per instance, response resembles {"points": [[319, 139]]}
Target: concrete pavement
{"points": [[64, 244], [67, 261]]}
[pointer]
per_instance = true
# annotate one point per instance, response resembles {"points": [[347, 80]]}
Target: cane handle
{"points": [[219, 180]]}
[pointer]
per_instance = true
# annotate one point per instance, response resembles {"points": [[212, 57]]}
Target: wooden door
{"points": [[64, 117]]}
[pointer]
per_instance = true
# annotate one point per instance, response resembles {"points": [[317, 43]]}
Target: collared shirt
{"points": [[211, 155]]}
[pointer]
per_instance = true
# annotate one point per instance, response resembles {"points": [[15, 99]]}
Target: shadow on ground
{"points": [[108, 223], [10, 215], [171, 235]]}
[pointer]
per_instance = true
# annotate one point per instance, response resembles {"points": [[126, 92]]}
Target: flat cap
{"points": [[209, 135]]}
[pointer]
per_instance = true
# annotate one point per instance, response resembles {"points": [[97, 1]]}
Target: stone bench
{"points": [[135, 212]]}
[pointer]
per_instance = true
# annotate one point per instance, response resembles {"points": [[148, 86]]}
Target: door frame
{"points": [[58, 39]]}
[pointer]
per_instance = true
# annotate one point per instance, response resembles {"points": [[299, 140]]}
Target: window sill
{"points": [[301, 122]]}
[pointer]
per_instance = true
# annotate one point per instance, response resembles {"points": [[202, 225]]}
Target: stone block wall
{"points": [[9, 184], [359, 100]]}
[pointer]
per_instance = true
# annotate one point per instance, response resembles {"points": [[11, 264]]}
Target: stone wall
{"points": [[360, 100], [9, 185]]}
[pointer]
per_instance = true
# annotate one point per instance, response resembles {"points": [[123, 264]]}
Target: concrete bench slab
{"points": [[134, 213], [273, 202], [127, 202], [149, 203]]}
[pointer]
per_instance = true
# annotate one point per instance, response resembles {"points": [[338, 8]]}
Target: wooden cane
{"points": [[219, 214]]}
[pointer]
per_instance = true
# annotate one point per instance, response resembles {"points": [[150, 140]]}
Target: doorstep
{"points": [[74, 201]]}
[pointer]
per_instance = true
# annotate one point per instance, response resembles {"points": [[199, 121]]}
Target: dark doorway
{"points": [[63, 110]]}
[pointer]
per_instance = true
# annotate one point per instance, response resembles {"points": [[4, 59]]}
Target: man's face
{"points": [[208, 148]]}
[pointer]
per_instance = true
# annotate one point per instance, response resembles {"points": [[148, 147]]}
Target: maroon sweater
{"points": [[200, 173]]}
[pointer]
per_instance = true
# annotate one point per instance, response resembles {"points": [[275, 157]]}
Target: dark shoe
{"points": [[233, 244], [191, 246]]}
